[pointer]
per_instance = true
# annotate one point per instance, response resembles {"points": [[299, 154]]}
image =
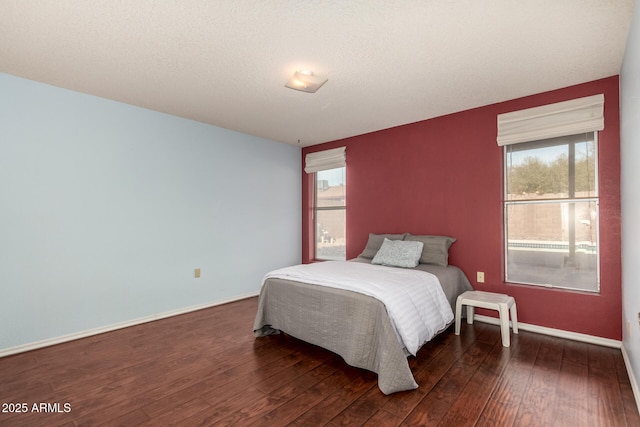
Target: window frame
{"points": [[316, 209], [595, 199]]}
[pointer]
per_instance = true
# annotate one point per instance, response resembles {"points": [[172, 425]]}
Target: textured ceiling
{"points": [[389, 63]]}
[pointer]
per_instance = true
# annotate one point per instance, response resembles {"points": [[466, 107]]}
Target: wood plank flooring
{"points": [[206, 368]]}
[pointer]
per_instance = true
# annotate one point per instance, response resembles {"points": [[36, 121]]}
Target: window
{"points": [[551, 193], [551, 212], [330, 214], [329, 202]]}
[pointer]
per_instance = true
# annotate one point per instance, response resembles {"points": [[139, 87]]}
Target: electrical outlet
{"points": [[480, 276], [196, 273]]}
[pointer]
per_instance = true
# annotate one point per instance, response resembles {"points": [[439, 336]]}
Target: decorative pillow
{"points": [[398, 253], [435, 248], [375, 241]]}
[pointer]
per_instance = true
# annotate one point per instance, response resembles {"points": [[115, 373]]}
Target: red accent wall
{"points": [[444, 176]]}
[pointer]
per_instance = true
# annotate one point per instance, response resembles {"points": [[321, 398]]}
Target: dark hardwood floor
{"points": [[206, 368]]}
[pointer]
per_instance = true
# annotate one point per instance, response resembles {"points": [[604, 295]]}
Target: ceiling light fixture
{"points": [[305, 81]]}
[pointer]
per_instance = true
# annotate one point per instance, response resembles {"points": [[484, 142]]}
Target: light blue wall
{"points": [[630, 191], [106, 209]]}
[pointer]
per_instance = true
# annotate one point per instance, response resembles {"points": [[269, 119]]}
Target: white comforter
{"points": [[415, 301]]}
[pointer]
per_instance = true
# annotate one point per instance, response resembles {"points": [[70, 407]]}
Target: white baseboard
{"points": [[606, 342], [632, 377], [84, 334]]}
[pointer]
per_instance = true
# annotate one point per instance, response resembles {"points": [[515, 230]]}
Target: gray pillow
{"points": [[375, 241], [398, 253], [435, 248]]}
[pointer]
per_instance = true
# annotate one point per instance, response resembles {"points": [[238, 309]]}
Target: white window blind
{"points": [[325, 160], [549, 121]]}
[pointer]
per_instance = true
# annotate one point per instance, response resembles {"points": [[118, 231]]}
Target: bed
{"points": [[355, 323]]}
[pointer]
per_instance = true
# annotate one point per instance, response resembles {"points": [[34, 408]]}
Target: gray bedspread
{"points": [[352, 325]]}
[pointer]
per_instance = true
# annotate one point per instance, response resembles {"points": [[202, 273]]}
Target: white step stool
{"points": [[492, 301]]}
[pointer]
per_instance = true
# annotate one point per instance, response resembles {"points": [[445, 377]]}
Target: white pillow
{"points": [[398, 253]]}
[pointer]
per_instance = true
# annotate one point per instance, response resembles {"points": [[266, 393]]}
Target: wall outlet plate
{"points": [[480, 276]]}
